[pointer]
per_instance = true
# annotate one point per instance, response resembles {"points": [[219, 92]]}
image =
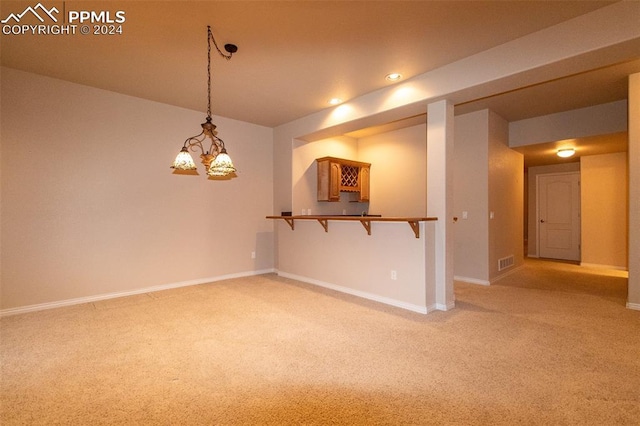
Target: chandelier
{"points": [[212, 150]]}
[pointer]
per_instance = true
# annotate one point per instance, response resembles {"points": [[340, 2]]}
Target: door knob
{"points": [[541, 220]]}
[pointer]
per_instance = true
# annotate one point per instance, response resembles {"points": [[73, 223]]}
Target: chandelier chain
{"points": [[209, 35], [226, 56]]}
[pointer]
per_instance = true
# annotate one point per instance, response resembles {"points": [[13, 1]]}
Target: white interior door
{"points": [[559, 216]]}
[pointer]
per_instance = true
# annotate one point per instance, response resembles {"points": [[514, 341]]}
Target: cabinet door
{"points": [[335, 177], [329, 176], [323, 180], [363, 183]]}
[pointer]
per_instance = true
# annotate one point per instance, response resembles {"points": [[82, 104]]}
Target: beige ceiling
{"points": [[295, 55], [545, 153]]}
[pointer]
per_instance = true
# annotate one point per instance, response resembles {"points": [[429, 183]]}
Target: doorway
{"points": [[558, 215]]}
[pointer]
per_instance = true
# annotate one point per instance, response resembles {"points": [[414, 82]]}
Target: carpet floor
{"points": [[550, 344]]}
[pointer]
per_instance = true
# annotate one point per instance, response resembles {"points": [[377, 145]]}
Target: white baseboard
{"points": [[447, 307], [106, 296], [634, 306], [362, 294], [470, 280]]}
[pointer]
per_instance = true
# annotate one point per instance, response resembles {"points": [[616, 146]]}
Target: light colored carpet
{"points": [[549, 344]]}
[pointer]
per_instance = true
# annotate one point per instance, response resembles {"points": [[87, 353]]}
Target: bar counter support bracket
{"points": [[289, 221], [415, 225], [325, 224], [367, 225]]}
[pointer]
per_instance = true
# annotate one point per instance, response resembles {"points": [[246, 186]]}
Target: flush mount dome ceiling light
{"points": [[566, 152], [335, 101], [215, 158]]}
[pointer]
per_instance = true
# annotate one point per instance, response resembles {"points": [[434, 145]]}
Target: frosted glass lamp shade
{"points": [[566, 153], [222, 165], [184, 161]]}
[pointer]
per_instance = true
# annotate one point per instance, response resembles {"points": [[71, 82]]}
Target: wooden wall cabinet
{"points": [[337, 175]]}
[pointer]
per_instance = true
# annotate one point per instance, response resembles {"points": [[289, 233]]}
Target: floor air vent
{"points": [[505, 262]]}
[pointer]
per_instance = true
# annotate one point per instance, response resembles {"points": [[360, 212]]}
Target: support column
{"points": [[633, 300], [440, 196]]}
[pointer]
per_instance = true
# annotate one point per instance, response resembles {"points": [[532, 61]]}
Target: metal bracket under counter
{"points": [[364, 220]]}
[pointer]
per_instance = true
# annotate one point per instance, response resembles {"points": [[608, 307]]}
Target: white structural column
{"points": [[633, 300], [440, 196]]}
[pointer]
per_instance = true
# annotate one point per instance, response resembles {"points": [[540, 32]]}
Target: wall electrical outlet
{"points": [[253, 254], [394, 275]]}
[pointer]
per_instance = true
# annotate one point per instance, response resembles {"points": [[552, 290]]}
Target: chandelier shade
{"points": [[184, 161], [212, 151], [222, 165]]}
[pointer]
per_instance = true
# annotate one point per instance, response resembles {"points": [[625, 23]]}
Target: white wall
{"points": [[90, 206], [604, 205]]}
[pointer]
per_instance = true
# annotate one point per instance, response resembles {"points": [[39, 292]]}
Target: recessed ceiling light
{"points": [[566, 153], [394, 76], [335, 101]]}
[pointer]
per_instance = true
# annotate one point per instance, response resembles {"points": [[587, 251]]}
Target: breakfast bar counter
{"points": [[365, 220]]}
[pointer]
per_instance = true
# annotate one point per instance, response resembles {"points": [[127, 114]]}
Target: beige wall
{"points": [[347, 259], [90, 206], [489, 177], [471, 180], [401, 193], [583, 122], [604, 205], [634, 192], [398, 171], [305, 176], [506, 194]]}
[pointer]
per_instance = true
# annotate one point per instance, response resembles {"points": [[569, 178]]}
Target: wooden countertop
{"points": [[364, 220]]}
